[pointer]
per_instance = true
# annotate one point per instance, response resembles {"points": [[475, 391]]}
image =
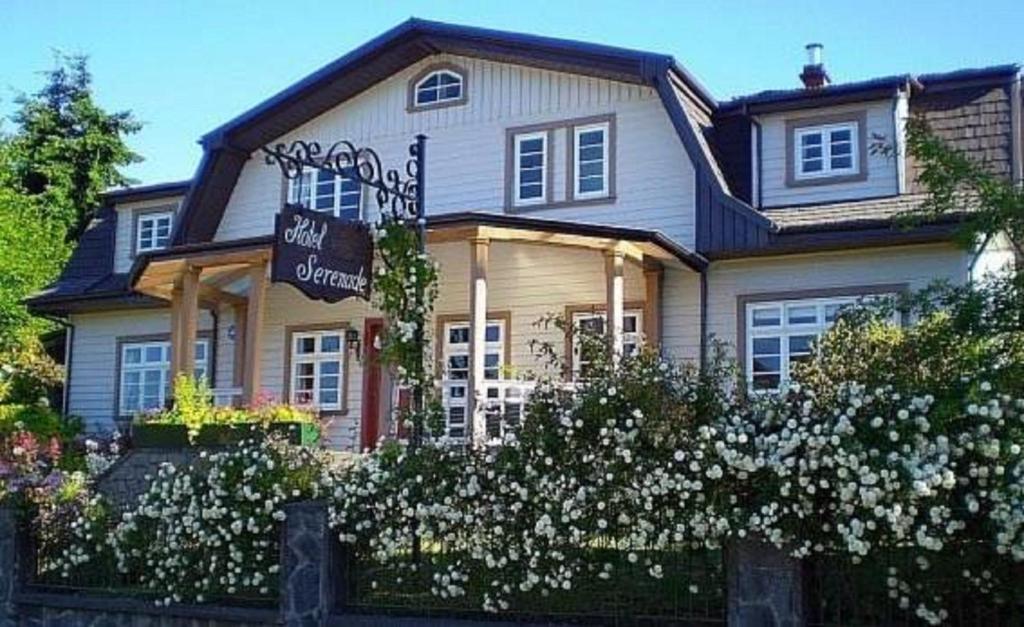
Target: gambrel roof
{"points": [[226, 148]]}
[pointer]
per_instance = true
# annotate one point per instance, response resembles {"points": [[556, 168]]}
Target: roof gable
{"points": [[227, 148]]}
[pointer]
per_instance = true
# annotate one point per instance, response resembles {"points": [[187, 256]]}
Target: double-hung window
{"points": [[828, 150], [322, 191], [146, 374], [530, 184], [457, 337], [153, 231], [441, 86], [594, 324], [317, 369], [780, 334], [590, 169]]}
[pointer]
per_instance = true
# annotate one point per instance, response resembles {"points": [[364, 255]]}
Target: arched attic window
{"points": [[438, 86]]}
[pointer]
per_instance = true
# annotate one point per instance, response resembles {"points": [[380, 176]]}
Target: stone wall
{"points": [[123, 482]]}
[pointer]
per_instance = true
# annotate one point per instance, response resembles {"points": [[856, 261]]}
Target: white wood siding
{"points": [[124, 235], [94, 377], [466, 147], [917, 266], [881, 180]]}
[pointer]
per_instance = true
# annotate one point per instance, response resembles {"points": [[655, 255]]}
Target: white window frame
{"points": [[420, 87], [605, 129], [317, 358], [448, 350], [629, 338], [163, 366], [309, 193], [785, 329], [825, 131], [154, 218], [518, 140]]}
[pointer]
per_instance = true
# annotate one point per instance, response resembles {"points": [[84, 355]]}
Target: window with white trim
{"points": [[145, 379], [455, 353], [593, 323], [320, 190], [590, 163], [781, 333], [318, 369], [153, 231], [438, 87], [530, 184], [827, 150]]}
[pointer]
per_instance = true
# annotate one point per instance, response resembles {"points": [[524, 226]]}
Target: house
{"points": [[562, 177]]}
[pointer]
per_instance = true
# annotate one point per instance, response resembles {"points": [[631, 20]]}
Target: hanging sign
{"points": [[325, 257]]}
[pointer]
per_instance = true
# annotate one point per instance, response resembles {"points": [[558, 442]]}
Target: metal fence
{"points": [[609, 589], [842, 593]]}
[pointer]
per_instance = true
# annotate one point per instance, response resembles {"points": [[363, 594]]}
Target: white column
{"points": [[479, 249], [254, 332], [615, 288]]}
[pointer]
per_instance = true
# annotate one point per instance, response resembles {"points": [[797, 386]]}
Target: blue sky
{"points": [[186, 66]]}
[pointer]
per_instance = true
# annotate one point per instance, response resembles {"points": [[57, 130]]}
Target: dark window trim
{"points": [[137, 214], [860, 118], [743, 300], [591, 308], [121, 340], [567, 127], [570, 159], [442, 319], [289, 332], [412, 107]]}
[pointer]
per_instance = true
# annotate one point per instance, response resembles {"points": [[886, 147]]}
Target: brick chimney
{"points": [[814, 75]]}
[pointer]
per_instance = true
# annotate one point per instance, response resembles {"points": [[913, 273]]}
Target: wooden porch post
{"points": [[254, 331], [614, 266], [188, 321], [176, 308], [479, 248], [653, 273], [240, 313]]}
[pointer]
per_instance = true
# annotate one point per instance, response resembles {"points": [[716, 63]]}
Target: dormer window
{"points": [[826, 150], [437, 86], [320, 190], [153, 230]]}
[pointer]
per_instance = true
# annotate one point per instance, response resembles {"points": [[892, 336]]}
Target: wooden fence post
{"points": [[765, 585]]}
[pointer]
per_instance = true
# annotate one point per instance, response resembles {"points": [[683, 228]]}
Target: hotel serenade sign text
{"points": [[325, 257]]}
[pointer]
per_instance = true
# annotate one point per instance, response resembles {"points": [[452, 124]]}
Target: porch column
{"points": [[653, 273], [254, 331], [614, 266], [176, 308], [240, 312], [188, 321], [479, 249]]}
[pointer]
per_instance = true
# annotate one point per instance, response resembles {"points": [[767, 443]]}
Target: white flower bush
{"points": [[898, 442], [208, 530], [897, 451]]}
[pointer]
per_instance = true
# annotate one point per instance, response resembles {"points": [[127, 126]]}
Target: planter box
{"points": [[302, 433], [159, 435]]}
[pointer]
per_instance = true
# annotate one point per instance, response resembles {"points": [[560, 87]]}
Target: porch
{"points": [[499, 277]]}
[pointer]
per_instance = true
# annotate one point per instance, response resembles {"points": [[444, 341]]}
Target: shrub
{"points": [[194, 408], [212, 529]]}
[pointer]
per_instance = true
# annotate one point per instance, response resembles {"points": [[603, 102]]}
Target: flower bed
{"points": [[194, 419]]}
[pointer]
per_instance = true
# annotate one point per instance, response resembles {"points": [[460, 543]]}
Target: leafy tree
{"points": [[67, 150], [953, 179], [62, 153]]}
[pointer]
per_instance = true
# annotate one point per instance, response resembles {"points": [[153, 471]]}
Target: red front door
{"points": [[371, 414]]}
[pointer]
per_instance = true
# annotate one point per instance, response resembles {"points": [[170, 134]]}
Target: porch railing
{"points": [[227, 397], [504, 403]]}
